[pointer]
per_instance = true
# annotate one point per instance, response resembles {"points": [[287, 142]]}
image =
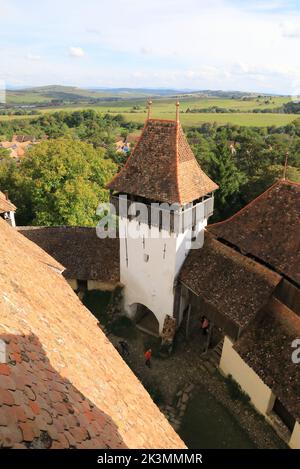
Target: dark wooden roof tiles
{"points": [[268, 228], [234, 285], [79, 250], [267, 348]]}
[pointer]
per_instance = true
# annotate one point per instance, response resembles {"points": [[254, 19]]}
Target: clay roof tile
{"points": [[163, 167]]}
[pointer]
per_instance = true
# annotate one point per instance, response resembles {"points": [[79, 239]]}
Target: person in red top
{"points": [[148, 358], [204, 325]]}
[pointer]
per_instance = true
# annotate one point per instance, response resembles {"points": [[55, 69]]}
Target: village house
{"points": [[243, 274], [124, 145], [18, 146], [62, 383]]}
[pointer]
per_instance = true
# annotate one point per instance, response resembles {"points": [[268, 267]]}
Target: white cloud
{"points": [[33, 56], [290, 30], [76, 51], [6, 9], [145, 51], [192, 44]]}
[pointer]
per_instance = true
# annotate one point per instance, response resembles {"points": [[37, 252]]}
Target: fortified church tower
{"points": [[164, 200]]}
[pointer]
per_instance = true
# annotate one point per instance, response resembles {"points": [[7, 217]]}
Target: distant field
{"points": [[134, 110], [188, 120], [168, 105], [243, 119], [9, 118], [18, 97], [45, 94]]}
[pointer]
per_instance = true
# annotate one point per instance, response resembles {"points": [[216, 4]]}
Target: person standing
{"points": [[204, 325], [148, 358], [124, 348]]}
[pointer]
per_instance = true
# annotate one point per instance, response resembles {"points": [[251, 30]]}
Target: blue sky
{"points": [[195, 44]]}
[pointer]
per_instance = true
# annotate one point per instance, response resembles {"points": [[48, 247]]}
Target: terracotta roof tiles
{"points": [[5, 204], [79, 250], [268, 228], [62, 383], [267, 348], [163, 167], [234, 285]]}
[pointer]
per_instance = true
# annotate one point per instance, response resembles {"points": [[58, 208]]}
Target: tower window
{"points": [[146, 257]]}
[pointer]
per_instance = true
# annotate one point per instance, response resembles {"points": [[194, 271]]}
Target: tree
{"points": [[8, 173], [225, 173], [62, 182]]}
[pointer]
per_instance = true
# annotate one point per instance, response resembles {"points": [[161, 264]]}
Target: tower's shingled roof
{"points": [[62, 383], [268, 228], [163, 167], [5, 204]]}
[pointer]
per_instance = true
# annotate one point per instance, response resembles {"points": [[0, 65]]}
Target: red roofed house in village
{"points": [[18, 146], [62, 383]]}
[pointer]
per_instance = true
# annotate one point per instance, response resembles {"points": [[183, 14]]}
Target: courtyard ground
{"points": [[211, 418], [206, 409]]}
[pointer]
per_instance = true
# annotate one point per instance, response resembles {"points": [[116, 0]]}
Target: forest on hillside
{"points": [[62, 179]]}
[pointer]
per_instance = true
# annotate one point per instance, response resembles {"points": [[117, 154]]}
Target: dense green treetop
{"points": [[60, 182], [62, 179]]}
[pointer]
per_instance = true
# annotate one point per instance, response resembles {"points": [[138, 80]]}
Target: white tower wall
{"points": [[150, 260]]}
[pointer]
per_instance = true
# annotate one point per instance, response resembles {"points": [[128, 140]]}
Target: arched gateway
{"points": [[144, 319]]}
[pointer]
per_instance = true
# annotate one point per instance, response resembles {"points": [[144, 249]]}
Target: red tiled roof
{"points": [[237, 287], [268, 228], [62, 383], [266, 347], [163, 167], [79, 250], [5, 204]]}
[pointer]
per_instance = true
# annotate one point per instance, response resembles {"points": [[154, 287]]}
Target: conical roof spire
{"points": [[162, 166]]}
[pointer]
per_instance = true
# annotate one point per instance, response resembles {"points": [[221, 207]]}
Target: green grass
{"points": [[21, 97], [235, 391], [190, 120], [207, 424], [242, 119], [10, 118], [164, 108]]}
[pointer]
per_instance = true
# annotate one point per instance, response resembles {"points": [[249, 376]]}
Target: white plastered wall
{"points": [[232, 364], [294, 442], [150, 260]]}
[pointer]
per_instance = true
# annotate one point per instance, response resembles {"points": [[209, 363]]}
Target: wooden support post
{"points": [[209, 336], [188, 322]]}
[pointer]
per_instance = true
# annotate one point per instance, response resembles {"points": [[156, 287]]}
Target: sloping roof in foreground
{"points": [[267, 348], [268, 228], [236, 286], [63, 384], [5, 204], [163, 167], [79, 250]]}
